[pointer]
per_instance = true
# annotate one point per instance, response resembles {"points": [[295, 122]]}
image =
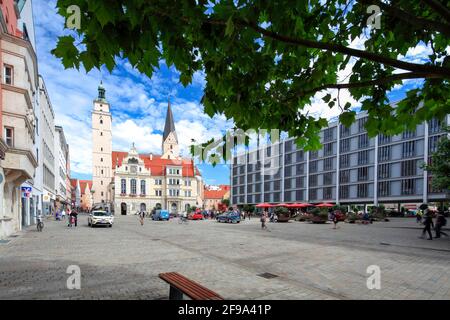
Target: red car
{"points": [[196, 216]]}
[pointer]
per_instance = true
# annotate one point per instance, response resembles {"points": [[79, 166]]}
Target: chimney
{"points": [[151, 156]]}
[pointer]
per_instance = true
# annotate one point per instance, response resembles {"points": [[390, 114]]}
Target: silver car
{"points": [[100, 218]]}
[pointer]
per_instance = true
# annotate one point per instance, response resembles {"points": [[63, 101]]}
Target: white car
{"points": [[98, 218]]}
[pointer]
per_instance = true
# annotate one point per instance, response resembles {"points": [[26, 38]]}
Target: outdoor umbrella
{"points": [[284, 205], [325, 205], [300, 205], [265, 205]]}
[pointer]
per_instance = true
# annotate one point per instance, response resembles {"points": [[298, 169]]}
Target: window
{"points": [[345, 145], [344, 131], [345, 161], [434, 126], [384, 153], [363, 157], [408, 149], [101, 134], [123, 186], [408, 186], [158, 182], [313, 194], [361, 124], [314, 155], [101, 121], [363, 190], [300, 182], [8, 74], [409, 134], [187, 182], [143, 191], [328, 193], [101, 159], [383, 139], [344, 176], [313, 167], [158, 193], [328, 149], [328, 164], [384, 188], [288, 172], [384, 171], [363, 141], [288, 158], [313, 180], [363, 174], [9, 136], [433, 143], [328, 179], [300, 156], [300, 168], [408, 168], [133, 186], [328, 134], [343, 192]]}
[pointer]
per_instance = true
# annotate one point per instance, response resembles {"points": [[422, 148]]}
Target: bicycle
{"points": [[183, 220]]}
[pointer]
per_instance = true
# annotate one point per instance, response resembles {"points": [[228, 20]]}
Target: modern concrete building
{"points": [[351, 168]]}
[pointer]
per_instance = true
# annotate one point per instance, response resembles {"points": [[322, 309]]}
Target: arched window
{"points": [[133, 186], [143, 187], [123, 188], [101, 121]]}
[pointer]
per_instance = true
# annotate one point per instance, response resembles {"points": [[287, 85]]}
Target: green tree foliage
{"points": [[226, 202], [264, 61], [440, 164]]}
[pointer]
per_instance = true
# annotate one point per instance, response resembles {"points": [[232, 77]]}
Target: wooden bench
{"points": [[180, 286]]}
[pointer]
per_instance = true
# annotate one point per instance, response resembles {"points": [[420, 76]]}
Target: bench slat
{"points": [[190, 288]]}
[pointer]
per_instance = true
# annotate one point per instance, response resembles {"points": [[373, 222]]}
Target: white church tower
{"points": [[170, 148], [101, 148]]}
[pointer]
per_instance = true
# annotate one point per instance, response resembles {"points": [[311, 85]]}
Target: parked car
{"points": [[161, 215], [100, 217], [196, 216], [229, 217]]}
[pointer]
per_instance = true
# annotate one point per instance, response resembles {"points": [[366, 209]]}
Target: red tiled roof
{"points": [[216, 194], [83, 184], [156, 164]]}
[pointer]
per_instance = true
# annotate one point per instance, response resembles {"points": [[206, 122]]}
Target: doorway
{"points": [[123, 209]]}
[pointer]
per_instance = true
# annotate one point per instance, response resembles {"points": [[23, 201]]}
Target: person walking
{"points": [[263, 221], [69, 216], [334, 218], [419, 216], [141, 217], [428, 222], [440, 222], [73, 217]]}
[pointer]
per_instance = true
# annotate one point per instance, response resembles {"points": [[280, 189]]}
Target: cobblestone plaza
{"points": [[309, 261]]}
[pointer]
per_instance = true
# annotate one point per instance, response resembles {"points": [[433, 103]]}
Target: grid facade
{"points": [[350, 168]]}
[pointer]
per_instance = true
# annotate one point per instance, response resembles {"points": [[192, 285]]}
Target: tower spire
{"points": [[170, 124]]}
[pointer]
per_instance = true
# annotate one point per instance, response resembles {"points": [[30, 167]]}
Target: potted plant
{"points": [[283, 214], [352, 217], [319, 215]]}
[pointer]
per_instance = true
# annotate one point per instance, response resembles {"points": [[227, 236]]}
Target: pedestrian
{"points": [[73, 217], [249, 215], [141, 217], [334, 218], [419, 216], [263, 221], [428, 222], [440, 222], [63, 215]]}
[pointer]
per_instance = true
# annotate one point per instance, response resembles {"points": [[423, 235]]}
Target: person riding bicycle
{"points": [[39, 221]]}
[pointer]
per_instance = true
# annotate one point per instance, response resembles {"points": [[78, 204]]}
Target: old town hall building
{"points": [[129, 182]]}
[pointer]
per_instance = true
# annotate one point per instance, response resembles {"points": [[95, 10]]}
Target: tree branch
{"points": [[334, 47], [439, 8], [410, 18], [395, 77]]}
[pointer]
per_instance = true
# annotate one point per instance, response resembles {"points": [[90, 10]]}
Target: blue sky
{"points": [[139, 104]]}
